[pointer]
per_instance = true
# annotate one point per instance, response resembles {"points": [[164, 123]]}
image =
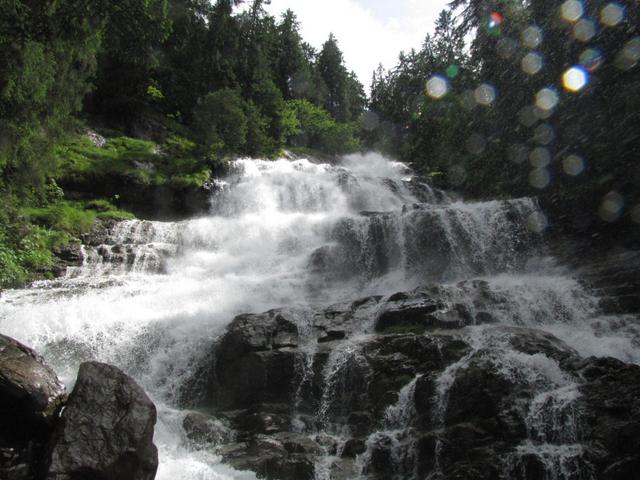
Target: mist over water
{"points": [[153, 298]]}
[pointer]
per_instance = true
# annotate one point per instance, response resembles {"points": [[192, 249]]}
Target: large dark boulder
{"points": [[30, 391], [31, 396], [106, 429], [610, 417], [277, 457]]}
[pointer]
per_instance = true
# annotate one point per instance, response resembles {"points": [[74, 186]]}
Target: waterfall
{"points": [[152, 297]]}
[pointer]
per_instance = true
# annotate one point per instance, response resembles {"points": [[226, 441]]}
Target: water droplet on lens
{"points": [[575, 79], [531, 63], [531, 36], [571, 10], [539, 178], [584, 30], [537, 222], [527, 116], [506, 47], [573, 165], [437, 87], [612, 14], [629, 56], [547, 99], [453, 71], [611, 207], [540, 158], [485, 94], [544, 134], [591, 59]]}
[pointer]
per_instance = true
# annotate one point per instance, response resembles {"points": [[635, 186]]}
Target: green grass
{"points": [[175, 163], [74, 218], [28, 240], [63, 216]]}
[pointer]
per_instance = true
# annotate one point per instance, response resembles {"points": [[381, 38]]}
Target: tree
{"points": [[334, 74], [316, 129], [48, 56], [220, 121], [291, 64], [129, 59]]}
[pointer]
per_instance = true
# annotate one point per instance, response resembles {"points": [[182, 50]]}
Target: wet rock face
{"points": [[106, 429], [611, 417], [442, 401], [31, 396], [28, 387], [255, 362]]}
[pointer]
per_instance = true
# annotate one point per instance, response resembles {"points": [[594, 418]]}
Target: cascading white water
{"points": [[154, 296]]}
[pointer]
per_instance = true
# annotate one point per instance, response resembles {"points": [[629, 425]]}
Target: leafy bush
{"points": [[115, 215], [316, 129], [62, 216], [220, 120], [178, 161]]}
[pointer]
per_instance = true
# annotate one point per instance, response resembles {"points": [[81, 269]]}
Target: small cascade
{"points": [[431, 242], [553, 446], [131, 246], [345, 377], [395, 436], [443, 384]]}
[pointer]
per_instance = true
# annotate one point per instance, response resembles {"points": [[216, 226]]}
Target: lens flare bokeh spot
{"points": [[495, 20], [573, 165], [485, 95], [612, 14], [547, 99], [571, 10], [584, 30], [437, 87], [591, 59], [611, 207], [531, 63], [531, 37], [575, 78]]}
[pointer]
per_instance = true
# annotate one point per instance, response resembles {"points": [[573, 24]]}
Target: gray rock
{"points": [[31, 397], [30, 391], [106, 429]]}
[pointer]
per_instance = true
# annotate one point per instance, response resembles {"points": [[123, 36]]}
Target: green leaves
{"points": [[317, 130]]}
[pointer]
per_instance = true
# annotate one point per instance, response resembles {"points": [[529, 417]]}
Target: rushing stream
{"points": [[152, 298]]}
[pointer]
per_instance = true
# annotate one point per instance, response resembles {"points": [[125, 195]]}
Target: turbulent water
{"points": [[155, 295]]}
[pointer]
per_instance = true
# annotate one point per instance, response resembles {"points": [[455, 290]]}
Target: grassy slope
{"points": [[29, 235]]}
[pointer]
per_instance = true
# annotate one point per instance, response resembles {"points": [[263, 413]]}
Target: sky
{"points": [[369, 32]]}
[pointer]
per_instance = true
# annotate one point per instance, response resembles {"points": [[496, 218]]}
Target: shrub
{"points": [[318, 130]]}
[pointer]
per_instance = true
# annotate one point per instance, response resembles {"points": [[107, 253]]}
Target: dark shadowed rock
{"points": [[202, 429], [31, 396], [29, 389], [611, 417], [287, 457], [68, 256], [472, 391], [106, 429]]}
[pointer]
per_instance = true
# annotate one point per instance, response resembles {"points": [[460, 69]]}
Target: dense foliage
{"points": [[544, 101], [197, 80]]}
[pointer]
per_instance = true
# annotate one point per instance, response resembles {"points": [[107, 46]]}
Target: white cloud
{"points": [[367, 32]]}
